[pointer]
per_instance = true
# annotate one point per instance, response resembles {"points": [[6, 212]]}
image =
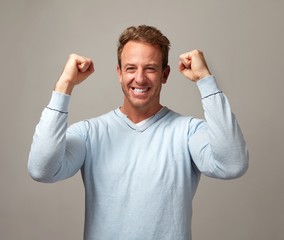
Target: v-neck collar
{"points": [[145, 126]]}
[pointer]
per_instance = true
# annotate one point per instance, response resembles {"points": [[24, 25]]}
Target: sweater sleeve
{"points": [[217, 145], [55, 155]]}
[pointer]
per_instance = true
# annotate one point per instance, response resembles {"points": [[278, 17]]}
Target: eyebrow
{"points": [[128, 64], [147, 65], [152, 65]]}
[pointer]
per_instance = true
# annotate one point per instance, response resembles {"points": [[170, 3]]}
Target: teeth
{"points": [[140, 90]]}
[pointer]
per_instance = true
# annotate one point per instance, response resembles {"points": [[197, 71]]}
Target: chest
{"points": [[139, 159]]}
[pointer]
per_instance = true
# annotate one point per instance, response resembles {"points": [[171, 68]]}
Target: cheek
{"points": [[127, 78], [157, 80]]}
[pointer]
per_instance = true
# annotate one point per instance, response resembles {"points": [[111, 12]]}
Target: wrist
{"points": [[204, 74], [64, 86]]}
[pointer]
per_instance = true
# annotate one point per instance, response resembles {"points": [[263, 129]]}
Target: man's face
{"points": [[141, 75]]}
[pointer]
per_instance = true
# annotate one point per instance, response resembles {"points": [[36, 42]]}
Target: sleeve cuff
{"points": [[207, 86], [59, 101]]}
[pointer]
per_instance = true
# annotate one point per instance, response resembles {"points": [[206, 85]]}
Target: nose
{"points": [[140, 77]]}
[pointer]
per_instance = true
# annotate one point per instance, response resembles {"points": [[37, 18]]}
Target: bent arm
{"points": [[217, 145], [55, 155]]}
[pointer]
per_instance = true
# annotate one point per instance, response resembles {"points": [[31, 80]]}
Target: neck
{"points": [[137, 115]]}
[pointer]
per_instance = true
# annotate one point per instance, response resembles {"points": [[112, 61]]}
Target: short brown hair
{"points": [[147, 34]]}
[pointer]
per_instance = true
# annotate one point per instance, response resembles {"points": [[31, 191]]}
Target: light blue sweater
{"points": [[139, 181]]}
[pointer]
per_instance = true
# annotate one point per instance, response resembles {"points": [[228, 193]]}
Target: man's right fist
{"points": [[76, 70]]}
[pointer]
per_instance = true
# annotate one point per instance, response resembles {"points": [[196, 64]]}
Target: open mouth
{"points": [[140, 90]]}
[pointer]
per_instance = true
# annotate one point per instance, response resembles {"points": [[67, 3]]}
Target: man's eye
{"points": [[151, 69], [130, 69]]}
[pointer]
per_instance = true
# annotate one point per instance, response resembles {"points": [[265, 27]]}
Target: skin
{"points": [[76, 70], [141, 76]]}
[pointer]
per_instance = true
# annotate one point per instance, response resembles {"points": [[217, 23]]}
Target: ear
{"points": [[118, 70], [166, 73]]}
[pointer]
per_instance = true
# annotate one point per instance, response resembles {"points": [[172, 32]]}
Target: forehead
{"points": [[140, 51]]}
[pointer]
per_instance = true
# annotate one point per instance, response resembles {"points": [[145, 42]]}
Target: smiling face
{"points": [[141, 77]]}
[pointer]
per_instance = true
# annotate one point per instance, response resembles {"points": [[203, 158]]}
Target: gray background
{"points": [[243, 43]]}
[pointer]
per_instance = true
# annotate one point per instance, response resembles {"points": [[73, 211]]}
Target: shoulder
{"points": [[180, 121], [175, 117], [100, 122]]}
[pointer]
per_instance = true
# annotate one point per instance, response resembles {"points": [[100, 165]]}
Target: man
{"points": [[140, 163]]}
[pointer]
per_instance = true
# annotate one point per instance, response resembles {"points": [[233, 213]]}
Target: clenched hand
{"points": [[76, 70], [193, 65]]}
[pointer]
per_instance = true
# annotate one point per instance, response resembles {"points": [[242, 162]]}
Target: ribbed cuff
{"points": [[59, 101], [207, 86]]}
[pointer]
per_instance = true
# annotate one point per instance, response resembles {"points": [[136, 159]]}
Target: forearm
{"points": [[222, 151], [63, 86], [52, 151]]}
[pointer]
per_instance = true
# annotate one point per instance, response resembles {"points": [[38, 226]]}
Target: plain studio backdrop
{"points": [[243, 43]]}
